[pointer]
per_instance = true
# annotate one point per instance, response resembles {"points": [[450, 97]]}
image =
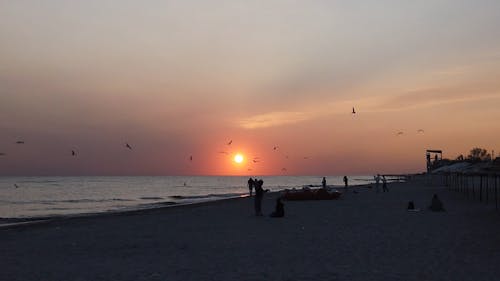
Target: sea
{"points": [[24, 198]]}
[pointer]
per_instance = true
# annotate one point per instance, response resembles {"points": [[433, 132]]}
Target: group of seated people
{"points": [[436, 205]]}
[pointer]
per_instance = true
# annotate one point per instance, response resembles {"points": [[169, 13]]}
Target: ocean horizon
{"points": [[34, 197]]}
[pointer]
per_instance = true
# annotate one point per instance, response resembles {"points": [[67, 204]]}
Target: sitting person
{"points": [[436, 204], [280, 209], [411, 205]]}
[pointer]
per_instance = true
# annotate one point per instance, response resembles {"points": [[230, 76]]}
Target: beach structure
{"points": [[433, 156]]}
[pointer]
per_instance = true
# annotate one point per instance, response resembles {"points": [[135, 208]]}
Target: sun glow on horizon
{"points": [[238, 158]]}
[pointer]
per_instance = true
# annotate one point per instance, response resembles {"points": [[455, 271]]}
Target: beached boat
{"points": [[311, 194]]}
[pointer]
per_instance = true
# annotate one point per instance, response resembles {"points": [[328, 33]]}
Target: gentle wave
{"points": [[225, 195]]}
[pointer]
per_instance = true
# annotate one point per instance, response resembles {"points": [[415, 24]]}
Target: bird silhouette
{"points": [[353, 111], [16, 186], [19, 142], [420, 131], [230, 142], [255, 161], [191, 158], [275, 148], [128, 146], [400, 133], [73, 153], [223, 152], [306, 157], [283, 169]]}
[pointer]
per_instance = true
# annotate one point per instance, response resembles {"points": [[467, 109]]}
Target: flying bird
{"points": [[230, 142], [306, 157], [275, 148], [283, 169], [255, 161], [20, 142], [400, 133], [128, 146], [420, 131], [353, 111], [73, 153], [191, 158], [15, 185], [223, 152]]}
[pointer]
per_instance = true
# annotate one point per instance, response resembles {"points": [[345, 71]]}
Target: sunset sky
{"points": [[176, 79]]}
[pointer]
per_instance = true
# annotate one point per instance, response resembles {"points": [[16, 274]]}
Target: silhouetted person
{"points": [[346, 182], [436, 204], [250, 186], [279, 212], [384, 184], [411, 205], [323, 183], [377, 183], [259, 194]]}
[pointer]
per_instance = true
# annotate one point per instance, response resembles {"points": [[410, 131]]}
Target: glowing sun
{"points": [[238, 158]]}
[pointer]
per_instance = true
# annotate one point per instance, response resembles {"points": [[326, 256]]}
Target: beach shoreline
{"points": [[365, 235]]}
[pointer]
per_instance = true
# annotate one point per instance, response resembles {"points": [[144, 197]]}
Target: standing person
{"points": [[323, 183], [250, 185], [346, 182], [384, 185], [377, 183], [259, 194]]}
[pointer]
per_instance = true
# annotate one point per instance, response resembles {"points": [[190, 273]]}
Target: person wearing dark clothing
{"points": [[346, 181], [323, 183], [280, 209], [436, 204], [259, 194], [411, 205], [250, 185], [384, 184]]}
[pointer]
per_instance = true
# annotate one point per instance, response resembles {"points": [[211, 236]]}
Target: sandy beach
{"points": [[364, 236]]}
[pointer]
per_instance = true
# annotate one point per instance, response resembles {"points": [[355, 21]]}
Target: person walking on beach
{"points": [[323, 183], [250, 185], [259, 194], [384, 184], [377, 183]]}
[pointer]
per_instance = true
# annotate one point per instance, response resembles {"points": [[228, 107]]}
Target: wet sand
{"points": [[364, 236]]}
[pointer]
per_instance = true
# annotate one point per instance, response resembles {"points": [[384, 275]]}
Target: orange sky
{"points": [[182, 79]]}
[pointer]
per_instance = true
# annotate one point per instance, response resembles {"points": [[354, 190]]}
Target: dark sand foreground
{"points": [[365, 236]]}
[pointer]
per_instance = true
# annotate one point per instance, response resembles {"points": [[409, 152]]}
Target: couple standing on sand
{"points": [[259, 195], [384, 183]]}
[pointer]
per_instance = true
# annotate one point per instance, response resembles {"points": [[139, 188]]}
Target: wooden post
{"points": [[481, 188], [496, 194], [487, 188], [473, 187]]}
